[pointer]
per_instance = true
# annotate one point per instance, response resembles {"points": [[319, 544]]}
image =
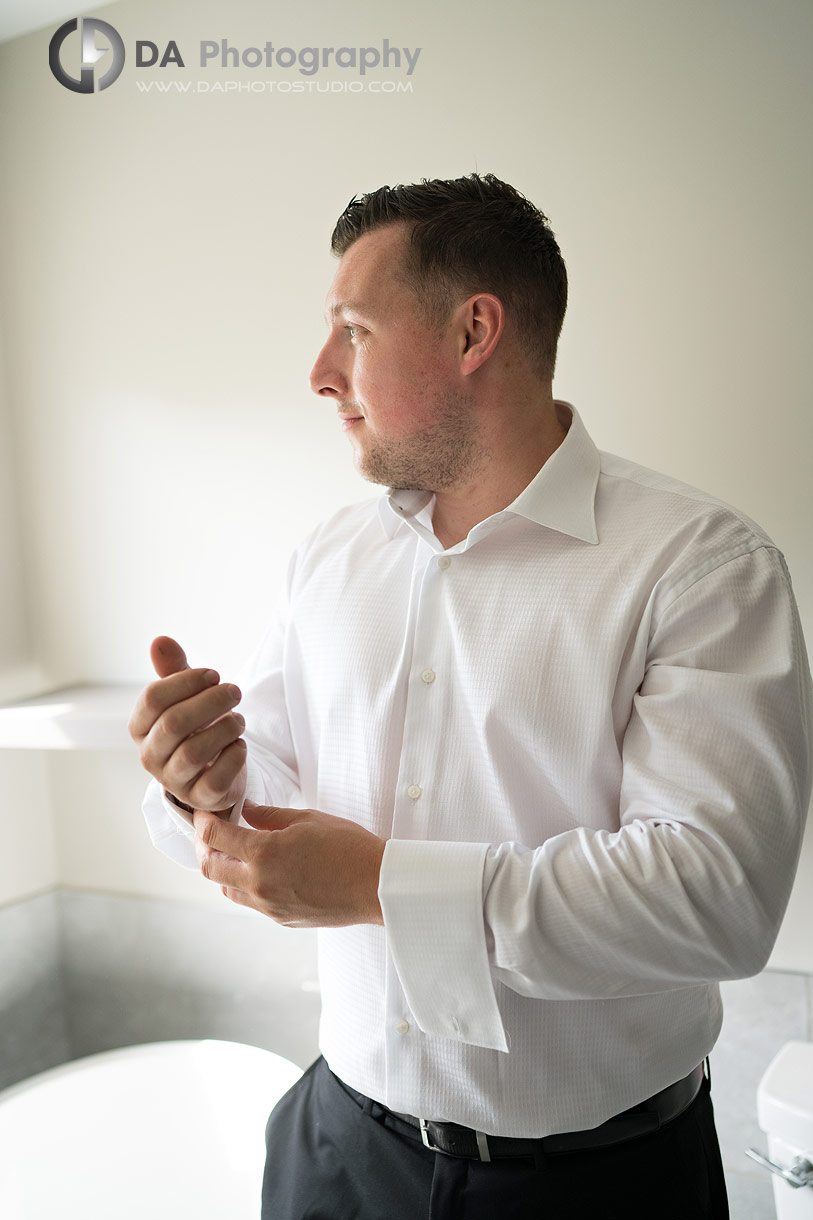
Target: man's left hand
{"points": [[301, 867]]}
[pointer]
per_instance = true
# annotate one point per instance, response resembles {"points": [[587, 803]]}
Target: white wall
{"points": [[100, 839], [165, 257], [18, 672]]}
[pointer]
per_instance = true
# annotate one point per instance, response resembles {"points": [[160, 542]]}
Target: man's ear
{"points": [[482, 320]]}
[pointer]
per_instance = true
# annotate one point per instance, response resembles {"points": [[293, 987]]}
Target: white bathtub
{"points": [[163, 1131]]}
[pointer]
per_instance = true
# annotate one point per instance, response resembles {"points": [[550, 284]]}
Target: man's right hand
{"points": [[188, 737]]}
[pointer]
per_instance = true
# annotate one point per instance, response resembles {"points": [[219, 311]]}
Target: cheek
{"points": [[378, 382], [396, 389]]}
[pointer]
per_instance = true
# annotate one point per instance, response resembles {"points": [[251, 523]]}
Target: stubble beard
{"points": [[438, 458]]}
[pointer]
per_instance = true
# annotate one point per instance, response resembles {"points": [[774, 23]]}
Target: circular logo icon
{"points": [[90, 53]]}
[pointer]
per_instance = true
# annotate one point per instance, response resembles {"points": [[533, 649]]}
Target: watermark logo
{"points": [[264, 68], [90, 55]]}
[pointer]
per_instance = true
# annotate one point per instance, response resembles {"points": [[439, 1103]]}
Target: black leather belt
{"points": [[454, 1140]]}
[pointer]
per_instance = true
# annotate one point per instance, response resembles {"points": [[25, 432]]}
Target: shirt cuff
{"points": [[181, 815], [431, 896], [180, 819]]}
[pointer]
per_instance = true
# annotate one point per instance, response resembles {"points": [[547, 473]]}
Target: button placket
{"points": [[422, 726]]}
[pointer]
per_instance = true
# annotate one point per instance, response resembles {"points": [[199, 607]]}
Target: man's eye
{"points": [[353, 331]]}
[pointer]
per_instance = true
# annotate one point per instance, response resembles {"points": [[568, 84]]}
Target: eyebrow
{"points": [[347, 307]]}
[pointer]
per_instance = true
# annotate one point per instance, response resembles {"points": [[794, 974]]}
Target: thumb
{"points": [[167, 656], [268, 817]]}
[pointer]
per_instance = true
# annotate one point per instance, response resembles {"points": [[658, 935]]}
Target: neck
{"points": [[511, 456]]}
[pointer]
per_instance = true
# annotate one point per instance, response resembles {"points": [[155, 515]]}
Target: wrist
{"points": [[177, 802], [376, 913]]}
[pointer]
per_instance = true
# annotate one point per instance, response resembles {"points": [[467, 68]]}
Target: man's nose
{"points": [[327, 376]]}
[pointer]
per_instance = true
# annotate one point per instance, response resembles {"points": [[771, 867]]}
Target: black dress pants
{"points": [[330, 1159]]}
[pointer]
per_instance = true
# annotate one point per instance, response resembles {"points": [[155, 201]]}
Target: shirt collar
{"points": [[398, 505], [561, 496]]}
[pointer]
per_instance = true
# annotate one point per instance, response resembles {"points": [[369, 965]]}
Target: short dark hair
{"points": [[472, 234]]}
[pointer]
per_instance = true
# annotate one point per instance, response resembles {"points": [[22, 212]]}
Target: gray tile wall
{"points": [[33, 1026], [143, 970], [82, 972]]}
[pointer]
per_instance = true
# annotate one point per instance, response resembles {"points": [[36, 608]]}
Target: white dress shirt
{"points": [[585, 733]]}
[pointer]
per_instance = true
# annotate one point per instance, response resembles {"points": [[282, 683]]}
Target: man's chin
{"points": [[371, 471]]}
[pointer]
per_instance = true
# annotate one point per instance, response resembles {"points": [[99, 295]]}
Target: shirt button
{"points": [[402, 1026], [428, 676], [444, 562], [414, 791]]}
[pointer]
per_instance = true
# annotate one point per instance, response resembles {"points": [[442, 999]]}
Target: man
{"points": [[528, 742]]}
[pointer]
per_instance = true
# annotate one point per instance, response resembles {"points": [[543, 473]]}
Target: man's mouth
{"points": [[349, 421]]}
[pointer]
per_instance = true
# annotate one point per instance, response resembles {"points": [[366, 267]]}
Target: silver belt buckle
{"points": [[425, 1137], [482, 1142]]}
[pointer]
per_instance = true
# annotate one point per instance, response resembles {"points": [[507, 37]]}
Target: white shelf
{"points": [[76, 718]]}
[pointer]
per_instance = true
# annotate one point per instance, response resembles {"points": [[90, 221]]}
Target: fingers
{"points": [[195, 748], [197, 715], [229, 841], [221, 784], [268, 817], [159, 697], [196, 751], [303, 868], [188, 735], [167, 656], [222, 850]]}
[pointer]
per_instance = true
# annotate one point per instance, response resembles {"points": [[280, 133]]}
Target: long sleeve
{"points": [[693, 884], [584, 734]]}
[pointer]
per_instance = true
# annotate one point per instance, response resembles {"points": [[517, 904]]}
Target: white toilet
{"points": [[785, 1113]]}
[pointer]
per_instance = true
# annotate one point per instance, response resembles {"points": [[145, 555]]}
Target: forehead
{"points": [[367, 277]]}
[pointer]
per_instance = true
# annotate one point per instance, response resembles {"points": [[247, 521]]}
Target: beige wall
{"points": [[17, 670], [164, 260]]}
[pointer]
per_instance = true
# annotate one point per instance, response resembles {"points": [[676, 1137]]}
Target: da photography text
{"points": [[80, 64], [308, 61]]}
